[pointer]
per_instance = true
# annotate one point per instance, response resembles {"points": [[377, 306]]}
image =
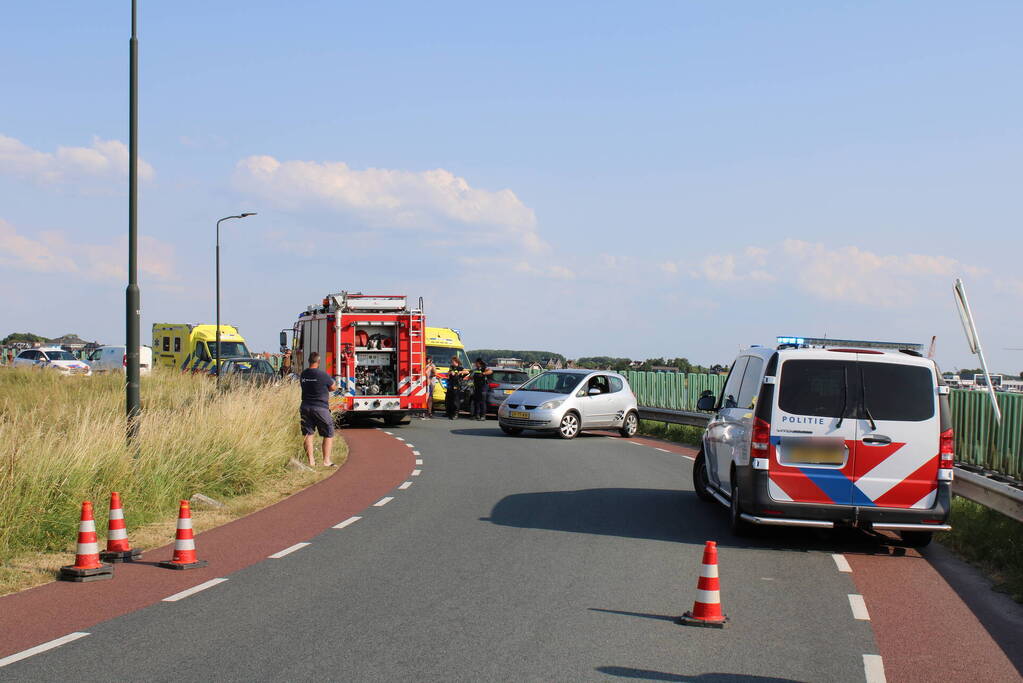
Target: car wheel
{"points": [[569, 427], [738, 525], [511, 431], [701, 483], [916, 539], [630, 426]]}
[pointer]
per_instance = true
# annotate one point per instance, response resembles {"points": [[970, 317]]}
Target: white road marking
{"points": [[636, 443], [859, 607], [193, 590], [416, 453], [419, 462], [411, 446], [663, 450], [416, 473], [843, 564], [57, 642], [350, 520], [873, 669], [689, 457], [405, 485], [287, 551], [399, 438], [387, 432], [383, 501]]}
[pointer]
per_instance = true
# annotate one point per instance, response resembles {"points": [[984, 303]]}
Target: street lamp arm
{"points": [[225, 218]]}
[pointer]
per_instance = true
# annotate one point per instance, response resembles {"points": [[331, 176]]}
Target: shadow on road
{"points": [[651, 675], [496, 431], [671, 515]]}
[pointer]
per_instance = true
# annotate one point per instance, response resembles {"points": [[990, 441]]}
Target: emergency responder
{"points": [[480, 379], [453, 397]]}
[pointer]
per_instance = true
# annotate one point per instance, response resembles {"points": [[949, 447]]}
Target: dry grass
{"points": [[62, 441]]}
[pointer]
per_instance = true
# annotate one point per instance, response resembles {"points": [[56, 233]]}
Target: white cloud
{"points": [[104, 159], [846, 273], [435, 200], [51, 252]]}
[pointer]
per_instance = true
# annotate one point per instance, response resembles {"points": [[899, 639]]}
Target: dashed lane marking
{"points": [[859, 607], [416, 453], [405, 485], [350, 520], [398, 438], [416, 473], [383, 501], [193, 590], [419, 462], [287, 551], [663, 450], [873, 668], [410, 446], [387, 432], [841, 563], [57, 642]]}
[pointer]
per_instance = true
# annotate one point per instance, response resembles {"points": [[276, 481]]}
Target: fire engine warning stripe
{"points": [[57, 642], [287, 551], [193, 590], [859, 607], [873, 669], [350, 520], [841, 563]]}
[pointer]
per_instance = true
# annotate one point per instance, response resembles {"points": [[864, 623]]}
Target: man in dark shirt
{"points": [[315, 409], [481, 375], [453, 395]]}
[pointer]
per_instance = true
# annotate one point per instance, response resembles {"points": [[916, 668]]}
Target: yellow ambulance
{"points": [[194, 347], [442, 344]]}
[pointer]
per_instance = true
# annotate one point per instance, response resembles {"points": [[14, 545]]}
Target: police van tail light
{"points": [[124, 360], [946, 455], [761, 438]]}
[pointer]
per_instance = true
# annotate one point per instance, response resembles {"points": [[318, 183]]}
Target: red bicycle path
{"points": [[931, 621], [376, 464]]}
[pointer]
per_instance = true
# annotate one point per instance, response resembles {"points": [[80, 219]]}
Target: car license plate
{"points": [[817, 454], [520, 414], [509, 391]]}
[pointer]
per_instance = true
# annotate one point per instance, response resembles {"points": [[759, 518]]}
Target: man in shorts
{"points": [[315, 409]]}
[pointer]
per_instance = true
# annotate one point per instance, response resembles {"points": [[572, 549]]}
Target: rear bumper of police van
{"points": [[759, 508]]}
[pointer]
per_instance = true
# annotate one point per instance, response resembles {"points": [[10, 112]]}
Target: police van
{"points": [[825, 433]]}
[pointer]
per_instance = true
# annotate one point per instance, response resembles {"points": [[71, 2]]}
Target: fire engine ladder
{"points": [[416, 334]]}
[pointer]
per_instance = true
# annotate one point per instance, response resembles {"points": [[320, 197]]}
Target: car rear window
{"points": [[509, 376], [827, 388]]}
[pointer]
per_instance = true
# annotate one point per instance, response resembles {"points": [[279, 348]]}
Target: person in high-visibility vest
{"points": [[480, 378]]}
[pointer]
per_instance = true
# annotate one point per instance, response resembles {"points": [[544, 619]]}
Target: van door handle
{"points": [[877, 440]]}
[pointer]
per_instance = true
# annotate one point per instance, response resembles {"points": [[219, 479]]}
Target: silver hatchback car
{"points": [[569, 401]]}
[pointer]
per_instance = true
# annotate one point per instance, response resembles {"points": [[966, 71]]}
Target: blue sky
{"points": [[652, 179]]}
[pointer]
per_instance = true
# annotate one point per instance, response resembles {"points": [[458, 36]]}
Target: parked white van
{"points": [[822, 433], [114, 358]]}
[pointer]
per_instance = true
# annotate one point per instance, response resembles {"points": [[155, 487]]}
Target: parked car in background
{"points": [[503, 383], [52, 358], [115, 359], [568, 401], [247, 370]]}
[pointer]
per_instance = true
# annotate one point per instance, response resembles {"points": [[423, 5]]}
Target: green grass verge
{"points": [[62, 441], [989, 540], [670, 432]]}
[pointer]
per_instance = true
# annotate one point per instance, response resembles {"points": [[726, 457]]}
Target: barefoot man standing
{"points": [[315, 409]]}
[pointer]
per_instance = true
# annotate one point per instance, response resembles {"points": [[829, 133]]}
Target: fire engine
{"points": [[374, 348]]}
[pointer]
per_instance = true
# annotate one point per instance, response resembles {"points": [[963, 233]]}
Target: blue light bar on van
{"points": [[847, 343]]}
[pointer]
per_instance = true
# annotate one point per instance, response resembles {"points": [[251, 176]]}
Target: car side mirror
{"points": [[706, 403], [284, 341], [594, 391]]}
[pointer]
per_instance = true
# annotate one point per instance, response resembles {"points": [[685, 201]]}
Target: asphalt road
{"points": [[507, 559]]}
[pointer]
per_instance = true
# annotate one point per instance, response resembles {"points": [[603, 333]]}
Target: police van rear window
{"points": [[833, 388]]}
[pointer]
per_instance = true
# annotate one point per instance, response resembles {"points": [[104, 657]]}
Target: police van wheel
{"points": [[701, 484], [916, 539], [738, 525], [511, 431]]}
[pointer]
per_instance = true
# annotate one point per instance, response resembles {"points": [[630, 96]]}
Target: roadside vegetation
{"points": [[989, 540], [62, 441], [686, 434]]}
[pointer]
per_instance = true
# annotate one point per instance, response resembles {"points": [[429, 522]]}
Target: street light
{"points": [[225, 218]]}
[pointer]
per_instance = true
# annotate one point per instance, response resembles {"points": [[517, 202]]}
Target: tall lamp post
{"points": [[131, 294], [225, 218]]}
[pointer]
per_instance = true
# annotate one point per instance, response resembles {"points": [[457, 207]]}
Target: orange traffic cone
{"points": [[118, 548], [707, 607], [87, 566], [184, 543]]}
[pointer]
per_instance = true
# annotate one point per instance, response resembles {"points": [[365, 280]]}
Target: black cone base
{"points": [[120, 555], [170, 564], [71, 573]]}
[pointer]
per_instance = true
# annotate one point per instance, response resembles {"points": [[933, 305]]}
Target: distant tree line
{"points": [[528, 356], [16, 337]]}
